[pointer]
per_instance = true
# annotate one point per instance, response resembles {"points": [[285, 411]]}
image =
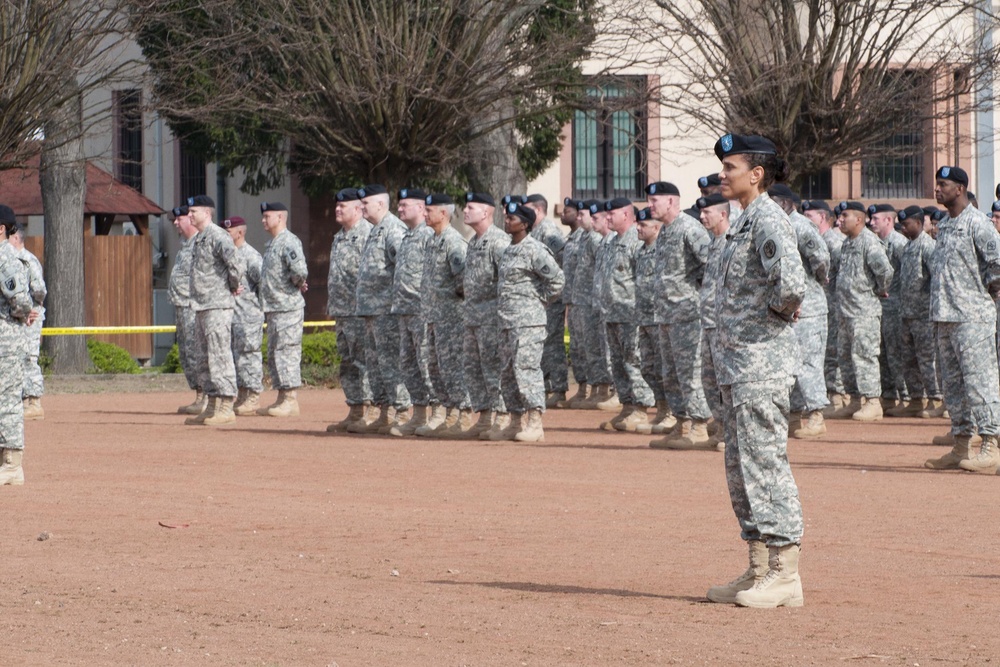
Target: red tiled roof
{"points": [[19, 189]]}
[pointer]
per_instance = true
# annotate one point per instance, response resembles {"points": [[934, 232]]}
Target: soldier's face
{"points": [[569, 215], [710, 217], [661, 206], [852, 223], [647, 230], [946, 191], [513, 224], [736, 176], [883, 223], [237, 234], [200, 216], [587, 222], [182, 223], [996, 220], [817, 217], [270, 220], [601, 222], [475, 213], [618, 221], [347, 212]]}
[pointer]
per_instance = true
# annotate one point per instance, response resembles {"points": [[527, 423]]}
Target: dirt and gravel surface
{"points": [[140, 541]]}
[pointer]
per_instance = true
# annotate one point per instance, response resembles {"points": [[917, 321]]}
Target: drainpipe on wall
{"points": [[984, 113]]}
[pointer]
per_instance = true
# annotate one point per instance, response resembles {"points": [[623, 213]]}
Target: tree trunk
{"points": [[495, 167], [63, 180]]}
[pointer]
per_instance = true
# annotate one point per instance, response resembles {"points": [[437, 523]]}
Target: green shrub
{"points": [[172, 364], [109, 358], [320, 349]]}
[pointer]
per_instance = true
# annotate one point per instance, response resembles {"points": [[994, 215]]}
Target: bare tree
{"points": [[829, 80]]}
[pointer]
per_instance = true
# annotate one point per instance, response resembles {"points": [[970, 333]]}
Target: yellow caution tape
{"points": [[91, 331]]}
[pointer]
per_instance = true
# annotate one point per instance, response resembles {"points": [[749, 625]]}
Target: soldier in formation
{"points": [[179, 291], [34, 384], [248, 322]]}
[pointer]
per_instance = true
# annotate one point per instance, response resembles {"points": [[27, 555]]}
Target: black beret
{"points": [[520, 199], [266, 206], [617, 203], [713, 199], [998, 191], [349, 194], [373, 189], [595, 206], [938, 216], [201, 200], [881, 208], [569, 202], [911, 212], [480, 198], [738, 144], [781, 190], [851, 206], [930, 210], [816, 205], [693, 212], [178, 211], [588, 203], [644, 214], [438, 200], [412, 193], [233, 221], [709, 181], [662, 188], [970, 194], [520, 211], [956, 174], [996, 206]]}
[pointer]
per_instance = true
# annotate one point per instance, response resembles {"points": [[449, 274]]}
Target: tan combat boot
{"points": [[611, 403], [581, 395], [500, 422], [949, 439], [636, 417], [418, 419], [781, 586], [662, 421], [223, 413], [33, 408], [250, 404], [531, 430], [960, 451], [199, 419], [438, 415], [195, 408], [556, 399], [668, 435], [397, 419], [287, 405], [758, 568], [598, 393], [813, 427], [11, 472], [852, 405], [241, 395], [871, 410], [910, 408], [460, 428], [837, 402], [512, 428], [483, 425], [610, 424], [694, 436], [354, 413], [370, 422], [934, 408], [987, 461]]}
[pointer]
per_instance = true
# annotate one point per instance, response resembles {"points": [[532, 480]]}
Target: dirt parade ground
{"points": [[140, 541]]}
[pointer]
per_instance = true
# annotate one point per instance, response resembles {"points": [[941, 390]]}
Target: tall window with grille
{"points": [[900, 173], [127, 106], [610, 143], [192, 177]]}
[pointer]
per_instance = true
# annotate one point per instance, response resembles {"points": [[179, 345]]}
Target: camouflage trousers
{"points": [[709, 381], [482, 366], [521, 375], [11, 384], [414, 359], [858, 341], [831, 362], [187, 344], [761, 486], [576, 321], [891, 356], [34, 383], [649, 359], [920, 359], [554, 353], [248, 334], [680, 351], [444, 346], [382, 361], [594, 345], [217, 372], [284, 348], [971, 380], [350, 347], [809, 392], [623, 344]]}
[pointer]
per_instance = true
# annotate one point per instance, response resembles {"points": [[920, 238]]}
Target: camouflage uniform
{"points": [[965, 267], [621, 321], [34, 385], [248, 324], [645, 314], [597, 303], [283, 274], [374, 299], [441, 307], [598, 370], [831, 366], [529, 278], [919, 360], [681, 253], [809, 393], [179, 291], [406, 291], [341, 288], [482, 328], [865, 274], [709, 331], [15, 305], [577, 351], [893, 380], [554, 368], [216, 271], [760, 286]]}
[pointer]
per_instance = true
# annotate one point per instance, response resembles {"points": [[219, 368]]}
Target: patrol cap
{"points": [[996, 207], [738, 144], [617, 203], [662, 188], [851, 206], [201, 200], [412, 193], [713, 199], [519, 199], [521, 211], [480, 198], [349, 194], [781, 190], [178, 211], [954, 174], [266, 206], [572, 203], [911, 212], [438, 200], [233, 221], [709, 181], [816, 205], [881, 208], [373, 189]]}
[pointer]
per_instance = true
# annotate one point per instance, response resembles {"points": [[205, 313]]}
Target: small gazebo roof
{"points": [[19, 189]]}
